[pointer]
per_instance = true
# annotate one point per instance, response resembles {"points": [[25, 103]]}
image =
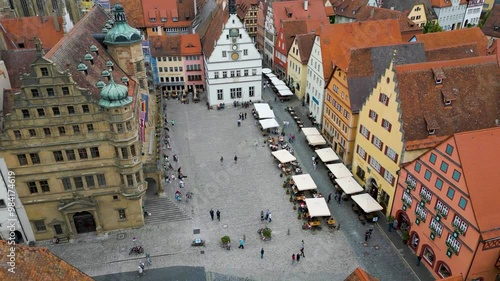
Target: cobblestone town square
{"points": [[240, 191]]}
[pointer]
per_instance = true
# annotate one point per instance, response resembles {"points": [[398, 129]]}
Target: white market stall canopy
{"points": [[304, 182], [327, 155], [261, 106], [316, 140], [282, 87], [266, 70], [349, 185], [283, 156], [285, 93], [268, 123], [276, 81], [366, 202], [270, 76], [317, 207], [339, 170], [310, 131], [264, 114]]}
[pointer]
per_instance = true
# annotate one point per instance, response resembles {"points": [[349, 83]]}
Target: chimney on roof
{"points": [[372, 12], [56, 21], [306, 5]]}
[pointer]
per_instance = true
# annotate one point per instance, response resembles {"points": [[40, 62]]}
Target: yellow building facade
{"points": [[297, 70], [379, 142], [417, 14]]}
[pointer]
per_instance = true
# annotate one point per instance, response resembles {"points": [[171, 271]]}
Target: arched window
{"points": [[428, 255], [443, 270], [415, 240]]}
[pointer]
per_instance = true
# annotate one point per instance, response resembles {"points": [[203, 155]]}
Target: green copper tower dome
{"points": [[121, 33], [114, 95]]}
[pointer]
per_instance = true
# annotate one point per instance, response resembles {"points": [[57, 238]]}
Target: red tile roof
{"points": [[213, 30], [305, 43], [453, 38], [338, 39], [292, 28], [186, 11], [133, 8], [480, 158], [294, 10], [157, 10], [175, 45], [347, 8], [492, 25], [242, 7], [453, 53], [360, 275], [37, 264], [23, 30], [475, 84]]}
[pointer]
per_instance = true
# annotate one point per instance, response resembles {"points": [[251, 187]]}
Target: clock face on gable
{"points": [[235, 56], [234, 47], [234, 32]]}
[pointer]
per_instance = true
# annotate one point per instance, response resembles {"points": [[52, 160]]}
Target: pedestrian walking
{"points": [[245, 116], [303, 243], [267, 215], [298, 257], [261, 215], [239, 122], [329, 197], [270, 219], [176, 158], [148, 259], [367, 235], [302, 252], [419, 258], [212, 214], [293, 138], [314, 165], [218, 215], [181, 184], [240, 116], [242, 244], [262, 253], [293, 258], [339, 198], [221, 160], [235, 159], [370, 231], [172, 122]]}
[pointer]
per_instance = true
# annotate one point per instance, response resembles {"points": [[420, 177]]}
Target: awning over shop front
{"points": [[261, 106], [310, 131], [367, 203], [283, 156], [304, 182], [266, 70], [315, 140], [317, 207], [264, 114], [277, 82], [268, 123], [282, 87], [270, 76], [285, 93], [339, 170], [349, 185], [327, 155]]}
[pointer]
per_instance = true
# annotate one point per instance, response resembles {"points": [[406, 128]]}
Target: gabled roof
{"points": [[135, 16], [492, 25], [213, 29], [407, 5], [24, 29], [305, 43], [293, 27], [454, 38], [366, 13], [294, 10], [175, 45], [347, 8], [38, 264], [69, 52], [480, 158], [166, 9], [18, 62], [338, 39], [242, 7], [360, 275], [475, 84]]}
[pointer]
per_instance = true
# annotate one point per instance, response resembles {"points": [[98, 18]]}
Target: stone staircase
{"points": [[163, 209]]}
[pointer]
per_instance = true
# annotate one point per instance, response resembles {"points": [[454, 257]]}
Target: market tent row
{"points": [[285, 93], [310, 131], [261, 106], [316, 140], [276, 81], [349, 185], [304, 182], [367, 203], [282, 87], [339, 170], [266, 71], [327, 155], [264, 110], [317, 207], [268, 123], [283, 156]]}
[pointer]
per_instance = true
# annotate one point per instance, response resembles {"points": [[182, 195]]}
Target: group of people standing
{"points": [[267, 216]]}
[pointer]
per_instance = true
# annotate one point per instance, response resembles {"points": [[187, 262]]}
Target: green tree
{"points": [[430, 27], [483, 20]]}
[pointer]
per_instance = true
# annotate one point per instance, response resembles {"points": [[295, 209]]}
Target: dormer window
{"points": [[152, 19], [175, 19], [448, 96], [163, 19], [496, 28], [438, 75], [432, 124], [432, 132]]}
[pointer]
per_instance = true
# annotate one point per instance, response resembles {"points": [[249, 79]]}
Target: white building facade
{"points": [[14, 223], [451, 15], [315, 86], [269, 37], [473, 12], [234, 68]]}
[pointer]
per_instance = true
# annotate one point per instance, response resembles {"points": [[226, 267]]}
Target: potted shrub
{"points": [[406, 236], [225, 241], [266, 233]]}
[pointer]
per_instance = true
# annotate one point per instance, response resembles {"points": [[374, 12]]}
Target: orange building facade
{"points": [[447, 201]]}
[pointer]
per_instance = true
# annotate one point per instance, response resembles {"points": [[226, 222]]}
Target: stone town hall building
{"points": [[71, 133]]}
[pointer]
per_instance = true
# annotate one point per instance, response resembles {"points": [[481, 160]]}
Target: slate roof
{"points": [[24, 29], [213, 30], [360, 275], [454, 38], [475, 83], [18, 62], [480, 158], [369, 64], [69, 52], [315, 11], [338, 39], [492, 23], [407, 5], [175, 45], [347, 8], [133, 8], [38, 264], [305, 43]]}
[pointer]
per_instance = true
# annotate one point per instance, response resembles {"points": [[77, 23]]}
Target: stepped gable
{"points": [[214, 30], [38, 264], [69, 52], [134, 9], [472, 85]]}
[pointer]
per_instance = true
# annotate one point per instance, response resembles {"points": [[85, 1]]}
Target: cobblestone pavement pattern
{"points": [[240, 191]]}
